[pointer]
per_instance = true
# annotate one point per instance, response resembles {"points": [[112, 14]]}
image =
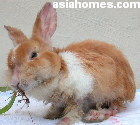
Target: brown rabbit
{"points": [[88, 81]]}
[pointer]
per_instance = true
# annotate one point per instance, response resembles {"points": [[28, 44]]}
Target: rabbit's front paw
{"points": [[56, 111], [65, 121], [52, 115]]}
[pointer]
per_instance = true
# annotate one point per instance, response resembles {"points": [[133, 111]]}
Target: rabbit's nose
{"points": [[15, 83], [15, 79]]}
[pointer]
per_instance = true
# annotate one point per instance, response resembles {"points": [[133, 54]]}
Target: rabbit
{"points": [[86, 81]]}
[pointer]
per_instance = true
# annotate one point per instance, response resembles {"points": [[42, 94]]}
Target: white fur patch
{"points": [[42, 92], [78, 81]]}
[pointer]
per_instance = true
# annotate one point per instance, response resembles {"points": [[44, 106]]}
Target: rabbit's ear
{"points": [[16, 35], [45, 24]]}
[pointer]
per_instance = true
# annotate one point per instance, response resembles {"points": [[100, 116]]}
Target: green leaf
{"points": [[9, 105], [4, 89]]}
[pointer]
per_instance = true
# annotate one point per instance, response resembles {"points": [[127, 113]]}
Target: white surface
{"points": [[117, 26], [33, 115]]}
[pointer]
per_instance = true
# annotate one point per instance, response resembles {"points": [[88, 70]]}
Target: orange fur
{"points": [[16, 35]]}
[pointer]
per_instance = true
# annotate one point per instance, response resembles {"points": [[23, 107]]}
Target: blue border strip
{"points": [[138, 90]]}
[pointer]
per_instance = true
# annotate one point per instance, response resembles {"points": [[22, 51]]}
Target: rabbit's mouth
{"points": [[29, 85]]}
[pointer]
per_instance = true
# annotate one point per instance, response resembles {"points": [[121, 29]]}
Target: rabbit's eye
{"points": [[34, 54]]}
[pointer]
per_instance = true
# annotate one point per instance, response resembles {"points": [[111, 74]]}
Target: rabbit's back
{"points": [[107, 65]]}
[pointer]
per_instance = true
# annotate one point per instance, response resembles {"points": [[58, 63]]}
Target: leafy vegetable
{"points": [[9, 105], [19, 92], [4, 89]]}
